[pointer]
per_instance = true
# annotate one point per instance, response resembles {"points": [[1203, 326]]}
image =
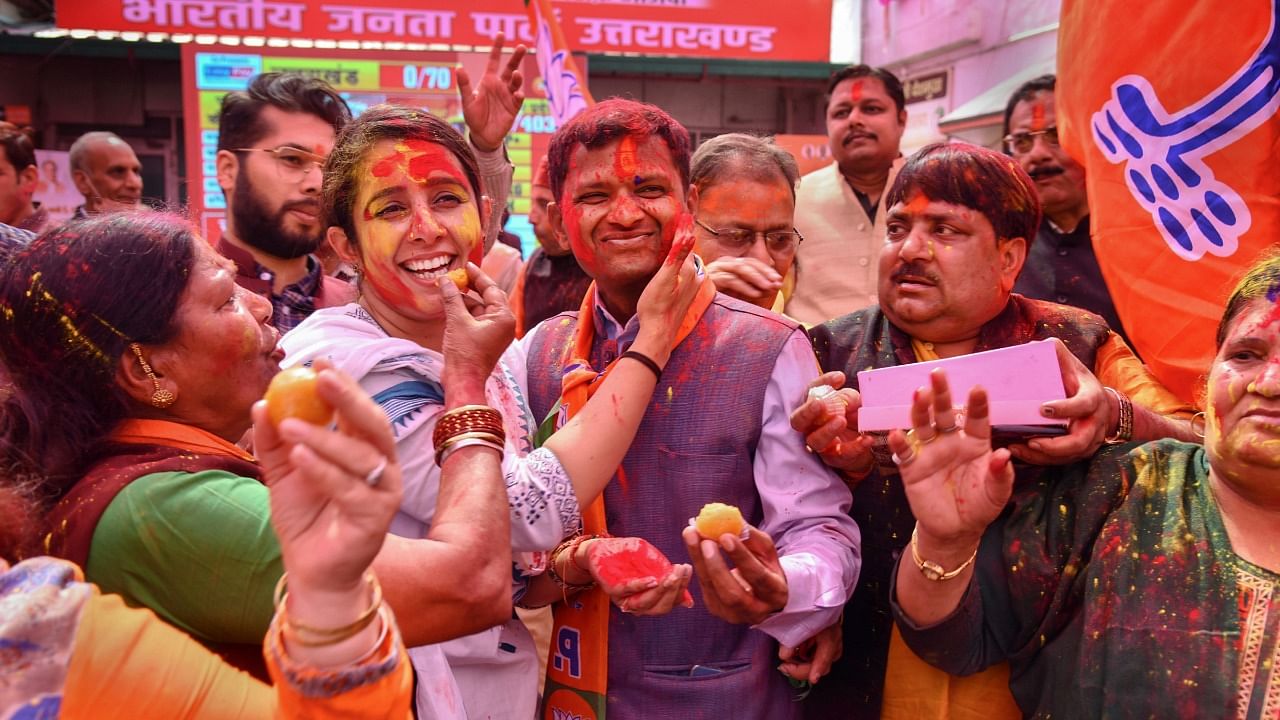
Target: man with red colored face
{"points": [[1061, 266], [551, 280], [958, 224], [838, 208], [715, 430]]}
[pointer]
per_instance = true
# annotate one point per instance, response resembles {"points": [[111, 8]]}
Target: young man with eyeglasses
{"points": [[743, 200], [273, 139], [1061, 266]]}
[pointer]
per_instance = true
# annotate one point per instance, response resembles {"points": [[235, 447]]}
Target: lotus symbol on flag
{"points": [[1163, 153], [563, 94]]}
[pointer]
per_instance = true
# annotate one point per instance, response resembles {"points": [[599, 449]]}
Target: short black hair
{"points": [[239, 121], [18, 149], [1027, 91], [892, 84]]}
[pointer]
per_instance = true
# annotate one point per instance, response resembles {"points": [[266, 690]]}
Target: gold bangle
{"points": [[476, 435], [931, 570], [570, 544], [326, 636]]}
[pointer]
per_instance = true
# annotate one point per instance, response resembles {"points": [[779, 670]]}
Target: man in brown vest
{"points": [[959, 223]]}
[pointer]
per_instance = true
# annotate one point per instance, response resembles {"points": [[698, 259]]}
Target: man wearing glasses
{"points": [[273, 139], [743, 200], [1061, 266]]}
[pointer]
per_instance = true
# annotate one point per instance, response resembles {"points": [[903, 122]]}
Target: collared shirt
{"points": [[1062, 267], [291, 305], [817, 540]]}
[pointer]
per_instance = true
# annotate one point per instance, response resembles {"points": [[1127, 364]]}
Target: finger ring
{"points": [[903, 462], [918, 442], [821, 391], [375, 475], [951, 429], [622, 605]]}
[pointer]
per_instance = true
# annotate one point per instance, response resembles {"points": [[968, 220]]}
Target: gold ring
{"points": [[918, 442]]}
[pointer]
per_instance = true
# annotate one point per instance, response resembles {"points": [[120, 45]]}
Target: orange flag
{"points": [[565, 85], [1171, 107]]}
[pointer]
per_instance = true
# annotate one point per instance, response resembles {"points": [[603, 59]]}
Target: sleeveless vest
{"points": [[695, 445]]}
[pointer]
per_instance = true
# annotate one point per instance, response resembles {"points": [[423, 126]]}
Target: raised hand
{"points": [[746, 278], [1087, 408], [490, 107], [955, 482], [669, 294], [475, 337], [753, 589], [333, 491], [834, 435]]}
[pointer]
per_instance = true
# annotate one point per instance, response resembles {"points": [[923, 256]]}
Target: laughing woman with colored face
{"points": [[405, 207], [1141, 584]]}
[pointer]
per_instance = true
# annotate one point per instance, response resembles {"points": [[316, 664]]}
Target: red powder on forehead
{"points": [[1037, 116], [387, 165], [421, 166], [855, 91], [624, 160], [917, 203]]}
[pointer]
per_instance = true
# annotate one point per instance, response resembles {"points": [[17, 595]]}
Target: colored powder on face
{"points": [[917, 204], [1273, 296], [624, 159], [387, 165], [855, 92], [1037, 116]]}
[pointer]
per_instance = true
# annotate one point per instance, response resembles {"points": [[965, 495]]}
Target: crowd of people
{"points": [[497, 523]]}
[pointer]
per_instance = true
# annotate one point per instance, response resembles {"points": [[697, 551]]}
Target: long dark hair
{"points": [[70, 304]]}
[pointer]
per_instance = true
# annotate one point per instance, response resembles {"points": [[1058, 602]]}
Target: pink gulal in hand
{"points": [[621, 560]]}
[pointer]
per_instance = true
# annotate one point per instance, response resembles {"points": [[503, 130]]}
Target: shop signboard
{"points": [[741, 29], [363, 78]]}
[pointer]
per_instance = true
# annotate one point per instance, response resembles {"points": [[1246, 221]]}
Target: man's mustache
{"points": [[1045, 171], [914, 270]]}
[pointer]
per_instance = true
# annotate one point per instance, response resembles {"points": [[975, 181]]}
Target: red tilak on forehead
{"points": [[855, 91], [624, 159], [1037, 116]]}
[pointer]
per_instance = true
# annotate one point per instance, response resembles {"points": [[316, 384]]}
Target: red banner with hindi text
{"points": [[742, 29]]}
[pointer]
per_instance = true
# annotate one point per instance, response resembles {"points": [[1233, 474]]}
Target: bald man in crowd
{"points": [[106, 172]]}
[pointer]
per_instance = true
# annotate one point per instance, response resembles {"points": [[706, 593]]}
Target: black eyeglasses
{"points": [[739, 240], [292, 164], [1022, 142]]}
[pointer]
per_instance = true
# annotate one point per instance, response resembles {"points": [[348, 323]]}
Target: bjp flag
{"points": [[566, 87], [1171, 107]]}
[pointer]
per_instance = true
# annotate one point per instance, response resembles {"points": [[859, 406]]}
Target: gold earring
{"points": [[161, 398], [1203, 424]]}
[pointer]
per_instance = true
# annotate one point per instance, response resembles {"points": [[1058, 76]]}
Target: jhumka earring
{"points": [[161, 398]]}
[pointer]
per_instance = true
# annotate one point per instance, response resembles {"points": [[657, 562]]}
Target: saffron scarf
{"points": [[578, 671]]}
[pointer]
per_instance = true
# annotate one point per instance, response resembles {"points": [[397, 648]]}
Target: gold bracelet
{"points": [[932, 570], [476, 435], [326, 636], [570, 544]]}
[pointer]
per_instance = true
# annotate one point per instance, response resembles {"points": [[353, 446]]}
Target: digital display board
{"points": [[363, 78]]}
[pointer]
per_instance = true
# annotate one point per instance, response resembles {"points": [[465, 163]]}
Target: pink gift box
{"points": [[1017, 379]]}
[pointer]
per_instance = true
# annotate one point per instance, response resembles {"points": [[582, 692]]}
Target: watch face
{"points": [[931, 570]]}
